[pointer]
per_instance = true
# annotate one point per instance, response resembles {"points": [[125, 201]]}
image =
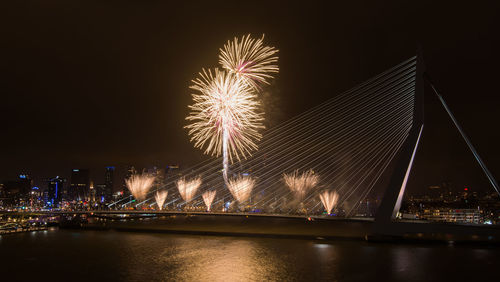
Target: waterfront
{"points": [[62, 255]]}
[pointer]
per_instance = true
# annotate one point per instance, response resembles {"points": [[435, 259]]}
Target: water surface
{"points": [[63, 255]]}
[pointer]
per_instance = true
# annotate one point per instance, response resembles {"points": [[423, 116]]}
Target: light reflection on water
{"points": [[125, 256], [222, 260]]}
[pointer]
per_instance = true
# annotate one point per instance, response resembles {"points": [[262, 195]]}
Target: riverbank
{"points": [[21, 230], [293, 227]]}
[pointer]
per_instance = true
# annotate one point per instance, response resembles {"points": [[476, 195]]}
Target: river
{"points": [[67, 255]]}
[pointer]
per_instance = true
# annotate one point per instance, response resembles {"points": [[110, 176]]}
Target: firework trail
{"points": [[329, 200], [249, 58], [299, 184], [225, 116], [241, 187], [139, 185], [160, 198], [208, 198], [188, 189]]}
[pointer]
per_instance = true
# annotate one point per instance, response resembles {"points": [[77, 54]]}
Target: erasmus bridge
{"points": [[359, 143]]}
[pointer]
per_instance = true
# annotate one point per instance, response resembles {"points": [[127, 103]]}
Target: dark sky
{"points": [[90, 84]]}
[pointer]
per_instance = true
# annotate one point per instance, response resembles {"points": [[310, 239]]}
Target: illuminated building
{"points": [[452, 215], [80, 185], [92, 192], [2, 194], [109, 182], [100, 193], [172, 171], [37, 197], [55, 188], [130, 171], [17, 191]]}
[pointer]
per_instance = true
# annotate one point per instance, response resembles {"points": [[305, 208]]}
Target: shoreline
{"points": [[296, 228]]}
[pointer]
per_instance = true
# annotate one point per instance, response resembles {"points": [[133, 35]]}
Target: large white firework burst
{"points": [[225, 115], [251, 59]]}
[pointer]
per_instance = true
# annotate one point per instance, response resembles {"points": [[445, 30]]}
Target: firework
{"points": [[225, 116], [249, 58], [329, 200], [160, 198], [208, 198], [241, 187], [139, 185], [301, 183], [187, 189]]}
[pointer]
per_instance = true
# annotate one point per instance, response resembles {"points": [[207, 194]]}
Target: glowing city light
{"points": [[139, 185], [329, 200], [300, 184], [160, 198], [188, 188], [208, 198], [241, 187]]}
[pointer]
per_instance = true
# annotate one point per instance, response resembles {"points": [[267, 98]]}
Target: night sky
{"points": [[89, 84]]}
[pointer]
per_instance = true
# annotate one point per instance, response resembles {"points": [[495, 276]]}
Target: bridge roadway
{"points": [[157, 212]]}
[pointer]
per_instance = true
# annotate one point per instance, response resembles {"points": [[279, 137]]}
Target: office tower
{"points": [[55, 188], [80, 185], [108, 183]]}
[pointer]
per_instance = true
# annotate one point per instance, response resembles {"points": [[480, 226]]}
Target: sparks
{"points": [[188, 188], [225, 116], [329, 200], [300, 184], [208, 198], [241, 187], [160, 198], [139, 185], [249, 58]]}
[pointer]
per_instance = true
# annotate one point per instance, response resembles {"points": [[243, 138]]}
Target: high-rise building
{"points": [[80, 185], [25, 184], [17, 191], [130, 171], [92, 192], [172, 171], [2, 195], [55, 188], [160, 179], [109, 183], [100, 193], [36, 197]]}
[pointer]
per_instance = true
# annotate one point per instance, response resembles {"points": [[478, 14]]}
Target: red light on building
{"points": [[466, 189]]}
